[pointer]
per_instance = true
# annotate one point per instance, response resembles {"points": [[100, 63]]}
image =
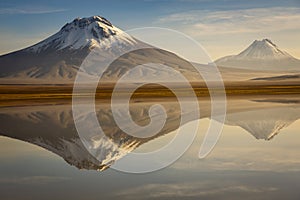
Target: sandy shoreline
{"points": [[150, 91]]}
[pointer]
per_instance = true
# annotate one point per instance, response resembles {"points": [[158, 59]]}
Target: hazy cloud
{"points": [[30, 10], [33, 180], [201, 22], [228, 158], [191, 189]]}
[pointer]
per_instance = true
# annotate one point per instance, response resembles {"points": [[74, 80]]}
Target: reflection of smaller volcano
{"points": [[264, 123]]}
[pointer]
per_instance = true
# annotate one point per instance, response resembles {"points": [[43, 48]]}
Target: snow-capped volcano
{"points": [[263, 49], [58, 58], [261, 55]]}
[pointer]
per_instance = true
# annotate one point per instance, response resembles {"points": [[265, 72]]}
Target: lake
{"points": [[257, 156]]}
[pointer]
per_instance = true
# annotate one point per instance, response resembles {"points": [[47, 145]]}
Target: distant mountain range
{"points": [[261, 55], [57, 59]]}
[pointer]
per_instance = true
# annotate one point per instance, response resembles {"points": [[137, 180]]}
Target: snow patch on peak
{"points": [[266, 40], [82, 22], [263, 49], [264, 129], [81, 33], [108, 151]]}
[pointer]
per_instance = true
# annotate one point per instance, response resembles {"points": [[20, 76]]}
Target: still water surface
{"points": [[257, 156]]}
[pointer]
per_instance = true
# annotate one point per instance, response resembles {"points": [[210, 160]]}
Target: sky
{"points": [[222, 27]]}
